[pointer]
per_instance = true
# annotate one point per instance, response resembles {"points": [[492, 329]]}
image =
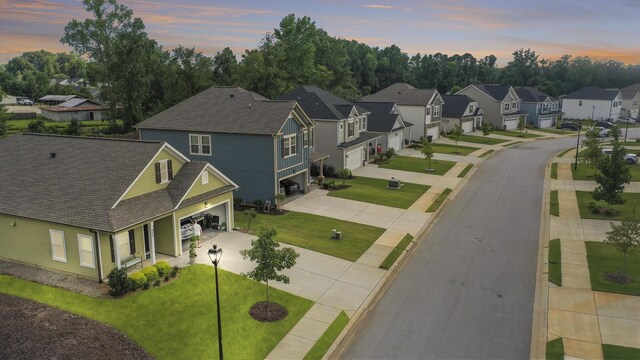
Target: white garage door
{"points": [[354, 159], [546, 123], [511, 124], [434, 132], [467, 126], [395, 141]]}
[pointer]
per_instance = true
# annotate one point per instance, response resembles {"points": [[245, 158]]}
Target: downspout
{"points": [[276, 184], [96, 239]]}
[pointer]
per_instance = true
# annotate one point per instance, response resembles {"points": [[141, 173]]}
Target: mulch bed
{"points": [[618, 278], [264, 311], [31, 330]]}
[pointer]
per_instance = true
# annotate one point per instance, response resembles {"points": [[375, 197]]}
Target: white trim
{"points": [[92, 265], [152, 242], [177, 245], [295, 146], [291, 167], [100, 254], [305, 138], [200, 145], [64, 245], [166, 165], [216, 172], [291, 175]]}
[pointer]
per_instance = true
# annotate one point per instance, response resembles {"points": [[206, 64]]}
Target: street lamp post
{"points": [[626, 131], [575, 166], [215, 254]]}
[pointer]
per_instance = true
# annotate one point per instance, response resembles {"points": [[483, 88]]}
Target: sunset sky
{"points": [[600, 29]]}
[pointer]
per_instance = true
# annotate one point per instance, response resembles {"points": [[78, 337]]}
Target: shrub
{"points": [[609, 212], [163, 268], [156, 283], [592, 205], [258, 203], [390, 153], [314, 170], [329, 171], [174, 271], [118, 282], [151, 273], [595, 210], [167, 277], [137, 280], [146, 286]]}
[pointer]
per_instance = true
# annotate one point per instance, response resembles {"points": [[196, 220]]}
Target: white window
{"points": [[539, 107], [514, 105], [350, 131], [311, 132], [436, 111], [635, 102], [164, 171], [305, 138], [58, 246], [205, 177], [289, 148], [428, 111], [470, 108], [200, 144], [364, 125], [507, 106], [86, 252], [579, 102], [358, 125], [341, 133]]}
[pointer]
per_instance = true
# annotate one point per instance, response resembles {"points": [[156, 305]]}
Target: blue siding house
{"points": [[544, 110], [265, 146]]}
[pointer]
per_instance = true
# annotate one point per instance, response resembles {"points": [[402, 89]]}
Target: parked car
{"points": [[629, 158], [186, 229], [625, 121], [570, 126], [604, 124], [25, 102], [602, 132]]}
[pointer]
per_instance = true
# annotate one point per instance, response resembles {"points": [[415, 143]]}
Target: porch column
{"points": [[114, 239], [322, 167], [152, 242]]}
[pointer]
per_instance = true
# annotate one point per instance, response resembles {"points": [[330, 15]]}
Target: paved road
{"points": [[467, 291]]}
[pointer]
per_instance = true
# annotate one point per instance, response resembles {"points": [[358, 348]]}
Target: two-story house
{"points": [[265, 146], [500, 104], [341, 127], [463, 111], [85, 206], [592, 103], [385, 119], [544, 110], [630, 101], [420, 107]]}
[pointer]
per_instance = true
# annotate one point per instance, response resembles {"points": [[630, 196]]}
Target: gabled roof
{"points": [[318, 103], [531, 94], [456, 105], [498, 92], [225, 110], [382, 116], [77, 104], [630, 91], [593, 93], [403, 94], [60, 98]]}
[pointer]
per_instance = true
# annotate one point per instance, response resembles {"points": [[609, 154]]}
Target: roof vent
{"points": [[249, 106], [230, 95], [52, 155]]}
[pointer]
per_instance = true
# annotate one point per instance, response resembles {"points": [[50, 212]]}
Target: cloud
{"points": [[385, 7]]}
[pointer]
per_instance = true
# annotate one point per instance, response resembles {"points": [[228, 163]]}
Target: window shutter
{"points": [[113, 253], [170, 170], [282, 147], [132, 242], [158, 176]]}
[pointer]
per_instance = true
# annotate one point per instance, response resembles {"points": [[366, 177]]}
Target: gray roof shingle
{"points": [[593, 93], [381, 117], [318, 103], [455, 105], [496, 91], [223, 110], [531, 94], [630, 91], [402, 94]]}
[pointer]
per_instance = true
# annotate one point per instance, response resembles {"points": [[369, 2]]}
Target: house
{"points": [[630, 101], [544, 110], [500, 104], [56, 99], [592, 103], [78, 109], [385, 119], [420, 107], [463, 111], [8, 100], [265, 146], [341, 127], [85, 206]]}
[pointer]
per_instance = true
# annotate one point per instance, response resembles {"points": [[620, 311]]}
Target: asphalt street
{"points": [[467, 291]]}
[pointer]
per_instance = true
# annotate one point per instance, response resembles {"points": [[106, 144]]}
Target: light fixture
{"points": [[215, 254], [206, 203]]}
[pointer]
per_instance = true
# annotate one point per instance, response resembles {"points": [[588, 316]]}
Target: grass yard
{"points": [[519, 134], [407, 163], [375, 191], [626, 209], [486, 153], [555, 262], [326, 340], [585, 172], [615, 352], [555, 349], [603, 258], [565, 152], [554, 203], [396, 252], [177, 321], [14, 126], [452, 149], [481, 139], [439, 200], [629, 143], [554, 131], [554, 170], [464, 171], [313, 232]]}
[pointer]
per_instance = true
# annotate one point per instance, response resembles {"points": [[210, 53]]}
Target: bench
{"points": [[130, 261]]}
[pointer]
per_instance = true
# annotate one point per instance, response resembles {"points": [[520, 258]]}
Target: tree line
{"points": [[138, 78]]}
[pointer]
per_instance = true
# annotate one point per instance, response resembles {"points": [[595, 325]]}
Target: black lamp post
{"points": [[215, 254], [575, 166]]}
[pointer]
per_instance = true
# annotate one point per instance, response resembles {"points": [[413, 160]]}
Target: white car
{"points": [[629, 158], [25, 102], [602, 131], [186, 230], [625, 121]]}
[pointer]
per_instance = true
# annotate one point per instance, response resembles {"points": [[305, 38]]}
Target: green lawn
{"points": [[439, 200], [313, 232], [407, 163], [481, 139], [554, 203], [177, 321], [604, 258], [554, 170], [555, 262], [375, 191], [626, 209], [585, 172], [486, 153], [629, 143], [516, 134], [553, 131], [326, 340], [564, 152], [464, 171], [396, 252], [615, 352], [452, 149], [555, 349]]}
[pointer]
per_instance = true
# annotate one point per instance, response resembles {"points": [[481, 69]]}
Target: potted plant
{"points": [[192, 250]]}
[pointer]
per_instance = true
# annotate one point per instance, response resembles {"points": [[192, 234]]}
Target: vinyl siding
{"points": [[147, 182], [300, 161], [198, 188], [164, 236], [492, 109], [417, 116], [327, 143]]}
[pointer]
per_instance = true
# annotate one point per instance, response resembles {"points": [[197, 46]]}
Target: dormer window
{"points": [[507, 106], [436, 110], [364, 125], [164, 171], [471, 109], [350, 131]]}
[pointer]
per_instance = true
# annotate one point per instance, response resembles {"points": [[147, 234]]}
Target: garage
{"points": [[395, 141], [546, 123], [354, 159], [434, 132], [211, 220], [511, 124], [467, 126]]}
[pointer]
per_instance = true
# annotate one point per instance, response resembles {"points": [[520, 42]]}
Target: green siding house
{"points": [[88, 205]]}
